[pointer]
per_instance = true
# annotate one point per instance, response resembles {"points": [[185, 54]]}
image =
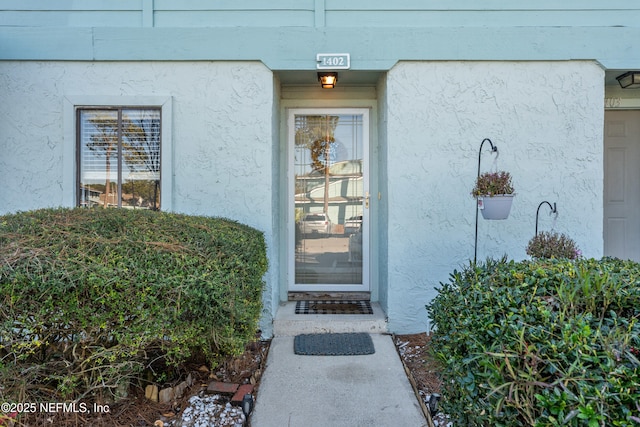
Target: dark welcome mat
{"points": [[347, 344], [333, 307]]}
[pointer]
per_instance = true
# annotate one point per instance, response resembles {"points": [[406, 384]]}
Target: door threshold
{"points": [[288, 323], [323, 296]]}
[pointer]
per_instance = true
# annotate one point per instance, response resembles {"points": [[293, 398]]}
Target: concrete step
{"points": [[288, 323]]}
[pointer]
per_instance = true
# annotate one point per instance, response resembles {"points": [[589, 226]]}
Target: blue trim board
{"points": [[295, 48]]}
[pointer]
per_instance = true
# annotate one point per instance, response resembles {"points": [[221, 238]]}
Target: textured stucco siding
{"points": [[380, 171], [221, 146], [546, 119]]}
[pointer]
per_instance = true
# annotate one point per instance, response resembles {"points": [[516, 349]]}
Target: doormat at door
{"points": [[333, 307], [345, 344]]}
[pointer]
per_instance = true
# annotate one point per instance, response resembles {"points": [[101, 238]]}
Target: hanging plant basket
{"points": [[494, 192], [495, 207]]}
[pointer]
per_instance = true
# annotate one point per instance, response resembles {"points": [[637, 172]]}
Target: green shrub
{"points": [[552, 245], [92, 298], [544, 343]]}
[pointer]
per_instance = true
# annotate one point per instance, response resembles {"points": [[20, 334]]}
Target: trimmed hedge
{"points": [[92, 298], [540, 343]]}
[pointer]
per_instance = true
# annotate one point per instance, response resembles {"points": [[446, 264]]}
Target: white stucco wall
{"points": [[546, 119], [381, 174], [221, 147]]}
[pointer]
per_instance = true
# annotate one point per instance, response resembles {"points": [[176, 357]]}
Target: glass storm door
{"points": [[328, 200]]}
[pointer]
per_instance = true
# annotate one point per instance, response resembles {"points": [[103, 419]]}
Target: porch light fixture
{"points": [[629, 80], [328, 80]]}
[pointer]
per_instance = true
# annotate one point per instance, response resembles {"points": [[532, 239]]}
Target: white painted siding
{"points": [[546, 119]]}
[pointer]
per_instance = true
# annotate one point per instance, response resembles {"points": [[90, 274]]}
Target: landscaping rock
{"points": [[166, 395], [151, 392]]}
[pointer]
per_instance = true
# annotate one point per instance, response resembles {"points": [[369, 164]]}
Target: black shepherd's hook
{"points": [[554, 210], [494, 149]]}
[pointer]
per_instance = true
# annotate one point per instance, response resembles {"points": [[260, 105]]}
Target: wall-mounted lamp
{"points": [[629, 80], [328, 80]]}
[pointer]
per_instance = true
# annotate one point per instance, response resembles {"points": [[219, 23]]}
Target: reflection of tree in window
{"points": [[128, 141], [141, 153], [317, 134], [103, 142]]}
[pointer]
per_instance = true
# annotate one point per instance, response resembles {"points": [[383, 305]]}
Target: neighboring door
{"points": [[328, 200], [622, 184]]}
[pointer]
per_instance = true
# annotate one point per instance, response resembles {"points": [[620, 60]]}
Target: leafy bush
{"points": [[552, 245], [540, 343], [92, 298]]}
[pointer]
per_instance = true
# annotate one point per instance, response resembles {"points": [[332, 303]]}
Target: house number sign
{"points": [[333, 61]]}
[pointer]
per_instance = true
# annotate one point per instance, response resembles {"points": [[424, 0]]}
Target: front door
{"points": [[328, 200], [622, 184]]}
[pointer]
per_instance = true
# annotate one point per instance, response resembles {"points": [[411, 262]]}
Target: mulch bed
{"points": [[245, 369], [414, 350], [137, 411]]}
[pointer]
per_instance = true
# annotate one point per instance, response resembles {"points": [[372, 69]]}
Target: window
{"points": [[119, 157]]}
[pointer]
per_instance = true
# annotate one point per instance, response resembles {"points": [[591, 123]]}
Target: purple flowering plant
{"points": [[553, 245], [493, 184]]}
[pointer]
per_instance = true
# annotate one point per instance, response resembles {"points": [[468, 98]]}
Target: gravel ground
{"points": [[206, 411]]}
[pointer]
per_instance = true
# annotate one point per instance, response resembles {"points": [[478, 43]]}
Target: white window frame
{"points": [[70, 170]]}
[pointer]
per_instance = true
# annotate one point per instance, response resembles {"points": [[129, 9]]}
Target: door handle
{"points": [[366, 200]]}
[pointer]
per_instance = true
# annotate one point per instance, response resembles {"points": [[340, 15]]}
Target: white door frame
{"points": [[290, 217], [621, 186]]}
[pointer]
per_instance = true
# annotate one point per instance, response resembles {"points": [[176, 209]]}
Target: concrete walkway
{"points": [[334, 391]]}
